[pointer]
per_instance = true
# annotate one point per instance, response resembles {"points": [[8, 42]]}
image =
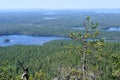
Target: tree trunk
{"points": [[84, 59]]}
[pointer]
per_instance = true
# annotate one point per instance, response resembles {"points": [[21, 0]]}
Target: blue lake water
{"points": [[79, 28], [26, 40], [108, 29], [49, 18], [113, 29]]}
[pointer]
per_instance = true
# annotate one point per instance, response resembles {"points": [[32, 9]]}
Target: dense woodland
{"points": [[84, 57], [54, 60], [57, 22]]}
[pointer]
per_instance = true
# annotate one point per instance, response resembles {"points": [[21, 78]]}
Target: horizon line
{"points": [[57, 8]]}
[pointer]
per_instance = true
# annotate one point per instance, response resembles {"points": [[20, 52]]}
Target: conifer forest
{"points": [[87, 48]]}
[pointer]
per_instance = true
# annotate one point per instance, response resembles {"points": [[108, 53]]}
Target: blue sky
{"points": [[59, 4]]}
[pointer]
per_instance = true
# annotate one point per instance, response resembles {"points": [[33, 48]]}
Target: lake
{"points": [[107, 29], [49, 18], [79, 28], [113, 29], [26, 40]]}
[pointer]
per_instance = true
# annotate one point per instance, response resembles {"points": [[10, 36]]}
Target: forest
{"points": [[46, 62], [85, 56], [57, 22]]}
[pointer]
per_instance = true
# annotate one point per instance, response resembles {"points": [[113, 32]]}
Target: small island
{"points": [[6, 40]]}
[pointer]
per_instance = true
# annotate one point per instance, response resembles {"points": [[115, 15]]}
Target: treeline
{"points": [[63, 22], [13, 29]]}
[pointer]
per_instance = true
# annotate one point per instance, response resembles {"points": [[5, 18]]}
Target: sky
{"points": [[59, 4]]}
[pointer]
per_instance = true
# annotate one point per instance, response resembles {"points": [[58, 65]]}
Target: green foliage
{"points": [[33, 23], [116, 68], [64, 58], [89, 46], [95, 58], [53, 58], [40, 75], [5, 73]]}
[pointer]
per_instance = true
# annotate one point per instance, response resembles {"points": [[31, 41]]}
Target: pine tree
{"points": [[89, 46]]}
